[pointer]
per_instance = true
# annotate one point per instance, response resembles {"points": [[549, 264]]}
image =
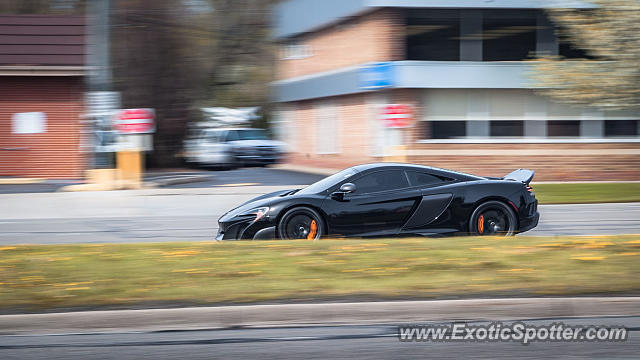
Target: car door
{"points": [[212, 149], [380, 205], [434, 199]]}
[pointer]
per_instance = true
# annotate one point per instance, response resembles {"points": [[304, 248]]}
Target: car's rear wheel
{"points": [[493, 218], [301, 223]]}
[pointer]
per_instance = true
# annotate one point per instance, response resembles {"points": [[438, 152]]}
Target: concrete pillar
{"points": [[535, 128], [471, 35], [592, 128], [478, 114], [535, 115], [547, 41]]}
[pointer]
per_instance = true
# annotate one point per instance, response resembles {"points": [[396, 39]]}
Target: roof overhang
{"points": [[407, 75], [41, 70], [295, 17]]}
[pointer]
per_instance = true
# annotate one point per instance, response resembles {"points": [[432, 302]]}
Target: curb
{"points": [[187, 179], [150, 184], [306, 169], [396, 312], [21, 181]]}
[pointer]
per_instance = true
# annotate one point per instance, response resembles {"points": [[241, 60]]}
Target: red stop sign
{"points": [[397, 115], [134, 121]]}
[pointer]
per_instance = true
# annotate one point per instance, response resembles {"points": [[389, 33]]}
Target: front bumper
{"points": [[250, 159], [246, 230]]}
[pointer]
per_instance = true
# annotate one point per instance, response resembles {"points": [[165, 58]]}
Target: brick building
{"points": [[42, 65], [460, 65]]}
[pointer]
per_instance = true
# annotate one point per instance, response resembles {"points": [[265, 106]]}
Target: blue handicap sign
{"points": [[377, 76]]}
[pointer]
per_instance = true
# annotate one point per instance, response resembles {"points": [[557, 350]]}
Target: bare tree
{"points": [[179, 55], [610, 77]]}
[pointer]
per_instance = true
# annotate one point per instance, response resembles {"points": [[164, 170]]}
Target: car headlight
{"points": [[259, 213]]}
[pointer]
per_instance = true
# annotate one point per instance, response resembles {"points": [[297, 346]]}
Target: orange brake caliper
{"points": [[313, 230], [481, 224]]}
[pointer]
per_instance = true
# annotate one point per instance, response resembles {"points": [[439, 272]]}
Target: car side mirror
{"points": [[344, 189], [347, 188]]}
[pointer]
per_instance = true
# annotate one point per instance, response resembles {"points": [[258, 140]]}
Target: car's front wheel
{"points": [[301, 223], [493, 218]]}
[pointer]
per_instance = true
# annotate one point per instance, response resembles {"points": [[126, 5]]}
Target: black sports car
{"points": [[389, 199]]}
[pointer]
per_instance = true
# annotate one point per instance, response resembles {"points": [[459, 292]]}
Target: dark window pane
{"points": [[417, 178], [624, 128], [570, 51], [563, 128], [448, 129], [508, 39], [424, 129], [381, 181], [433, 35], [507, 128], [232, 136]]}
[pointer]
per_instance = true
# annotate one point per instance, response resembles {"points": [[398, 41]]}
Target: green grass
{"points": [[41, 277], [587, 193]]}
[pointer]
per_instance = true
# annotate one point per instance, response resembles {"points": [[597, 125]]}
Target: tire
{"points": [[493, 218], [297, 224]]}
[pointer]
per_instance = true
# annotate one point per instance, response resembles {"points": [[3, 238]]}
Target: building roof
{"points": [[295, 17], [42, 40]]}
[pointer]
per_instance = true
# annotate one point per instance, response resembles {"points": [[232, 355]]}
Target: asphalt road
{"points": [[253, 176], [317, 342], [175, 214]]}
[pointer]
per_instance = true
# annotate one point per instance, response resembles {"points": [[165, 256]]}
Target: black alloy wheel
{"points": [[493, 218], [301, 223]]}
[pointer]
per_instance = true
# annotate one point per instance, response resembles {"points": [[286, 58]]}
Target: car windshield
{"points": [[253, 134], [328, 182]]}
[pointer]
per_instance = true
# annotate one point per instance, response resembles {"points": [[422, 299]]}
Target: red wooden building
{"points": [[42, 69]]}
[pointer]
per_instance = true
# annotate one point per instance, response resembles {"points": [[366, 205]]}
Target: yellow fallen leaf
{"points": [[588, 258]]}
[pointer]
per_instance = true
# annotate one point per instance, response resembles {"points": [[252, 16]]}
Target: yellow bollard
{"points": [[396, 154], [130, 164]]}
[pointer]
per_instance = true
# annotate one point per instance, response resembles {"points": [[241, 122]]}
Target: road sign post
{"points": [[135, 127], [396, 115]]}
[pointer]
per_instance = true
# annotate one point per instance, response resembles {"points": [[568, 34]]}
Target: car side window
{"points": [[381, 181], [421, 179], [212, 136], [231, 136]]}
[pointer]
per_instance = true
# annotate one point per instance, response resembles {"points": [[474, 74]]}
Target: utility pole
{"points": [[101, 100]]}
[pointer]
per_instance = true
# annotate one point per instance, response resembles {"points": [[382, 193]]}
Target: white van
{"points": [[232, 147]]}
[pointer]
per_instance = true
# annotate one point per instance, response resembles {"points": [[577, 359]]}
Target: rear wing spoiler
{"points": [[523, 175]]}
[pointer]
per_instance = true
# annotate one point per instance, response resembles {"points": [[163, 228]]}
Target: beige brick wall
{"points": [[368, 38], [354, 126], [551, 161], [353, 129]]}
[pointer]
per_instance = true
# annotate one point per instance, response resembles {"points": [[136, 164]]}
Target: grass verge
{"points": [[587, 193], [42, 277]]}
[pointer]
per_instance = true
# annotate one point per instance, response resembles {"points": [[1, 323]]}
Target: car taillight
{"points": [[529, 188]]}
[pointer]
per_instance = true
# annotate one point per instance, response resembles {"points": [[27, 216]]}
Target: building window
{"points": [[508, 39], [296, 51], [570, 51], [284, 127], [563, 128], [620, 128], [506, 128], [326, 128], [433, 35], [448, 129], [486, 114]]}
